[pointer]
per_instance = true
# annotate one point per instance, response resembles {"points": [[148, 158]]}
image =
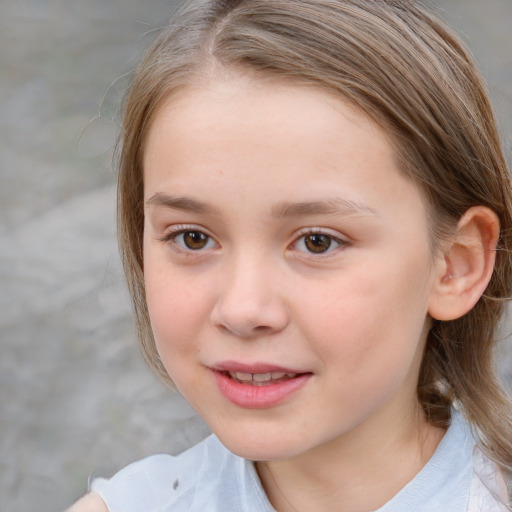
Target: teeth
{"points": [[242, 376], [260, 377]]}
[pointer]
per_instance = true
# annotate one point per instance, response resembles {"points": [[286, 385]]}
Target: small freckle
{"points": [[176, 484]]}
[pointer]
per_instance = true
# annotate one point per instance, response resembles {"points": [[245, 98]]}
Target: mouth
{"points": [[258, 386], [260, 379]]}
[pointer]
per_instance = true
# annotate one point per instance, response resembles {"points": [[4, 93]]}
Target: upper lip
{"points": [[254, 368]]}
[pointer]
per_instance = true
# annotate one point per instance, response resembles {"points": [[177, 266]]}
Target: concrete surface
{"points": [[75, 398]]}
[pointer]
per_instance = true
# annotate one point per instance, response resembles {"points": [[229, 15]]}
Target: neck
{"points": [[360, 470]]}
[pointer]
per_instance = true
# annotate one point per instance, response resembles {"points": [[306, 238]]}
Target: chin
{"points": [[260, 446]]}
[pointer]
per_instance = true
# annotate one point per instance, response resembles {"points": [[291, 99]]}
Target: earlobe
{"points": [[467, 266]]}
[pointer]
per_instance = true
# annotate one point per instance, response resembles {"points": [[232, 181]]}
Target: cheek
{"points": [[174, 309], [368, 320], [176, 324]]}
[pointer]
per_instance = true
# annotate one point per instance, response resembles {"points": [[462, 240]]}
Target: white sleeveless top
{"points": [[209, 478]]}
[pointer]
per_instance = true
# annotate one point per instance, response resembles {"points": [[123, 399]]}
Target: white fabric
{"points": [[487, 485], [209, 478]]}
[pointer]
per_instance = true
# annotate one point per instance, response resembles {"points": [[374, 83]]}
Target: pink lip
{"points": [[256, 397]]}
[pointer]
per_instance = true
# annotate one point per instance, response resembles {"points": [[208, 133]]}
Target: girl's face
{"points": [[288, 267]]}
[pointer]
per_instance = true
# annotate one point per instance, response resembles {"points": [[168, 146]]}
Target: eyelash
{"points": [[170, 239], [302, 234]]}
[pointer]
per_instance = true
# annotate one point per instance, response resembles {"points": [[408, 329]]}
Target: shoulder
{"points": [[163, 471], [150, 483], [91, 502], [488, 488]]}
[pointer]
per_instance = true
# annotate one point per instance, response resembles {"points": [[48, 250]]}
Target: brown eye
{"points": [[195, 240], [317, 243], [189, 240]]}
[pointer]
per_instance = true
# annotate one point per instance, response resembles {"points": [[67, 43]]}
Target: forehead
{"points": [[256, 109], [272, 141]]}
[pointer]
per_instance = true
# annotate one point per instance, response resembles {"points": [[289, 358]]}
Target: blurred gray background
{"points": [[75, 397]]}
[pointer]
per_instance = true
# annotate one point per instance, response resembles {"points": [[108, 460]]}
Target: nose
{"points": [[250, 303]]}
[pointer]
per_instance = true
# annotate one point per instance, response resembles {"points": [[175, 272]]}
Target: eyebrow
{"points": [[332, 206], [181, 203]]}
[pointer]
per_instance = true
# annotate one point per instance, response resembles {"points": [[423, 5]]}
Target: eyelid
{"points": [[174, 231], [336, 236]]}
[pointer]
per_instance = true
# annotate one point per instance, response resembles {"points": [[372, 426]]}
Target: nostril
{"points": [[249, 315], [246, 331]]}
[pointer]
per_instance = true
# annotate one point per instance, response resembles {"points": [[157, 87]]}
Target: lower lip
{"points": [[258, 397]]}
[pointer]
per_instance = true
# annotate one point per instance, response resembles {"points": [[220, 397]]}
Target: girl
{"points": [[315, 221]]}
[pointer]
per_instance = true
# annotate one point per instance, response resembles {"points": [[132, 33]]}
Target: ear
{"points": [[466, 265]]}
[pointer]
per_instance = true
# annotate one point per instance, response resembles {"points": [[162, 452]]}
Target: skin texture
{"points": [[240, 177], [89, 503], [355, 317]]}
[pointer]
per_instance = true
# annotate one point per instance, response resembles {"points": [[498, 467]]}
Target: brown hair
{"points": [[412, 75]]}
